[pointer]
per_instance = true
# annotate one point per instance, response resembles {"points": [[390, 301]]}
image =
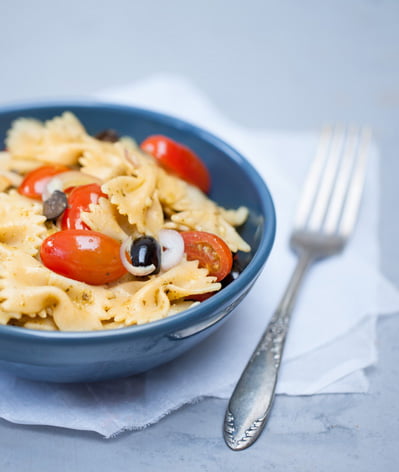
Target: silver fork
{"points": [[325, 219]]}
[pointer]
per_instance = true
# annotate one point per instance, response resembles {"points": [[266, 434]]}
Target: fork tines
{"points": [[333, 188]]}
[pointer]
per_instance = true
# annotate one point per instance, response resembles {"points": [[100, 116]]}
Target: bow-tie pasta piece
{"points": [[153, 299], [21, 222], [61, 140]]}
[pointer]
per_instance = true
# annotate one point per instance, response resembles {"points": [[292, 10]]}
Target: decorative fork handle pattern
{"points": [[251, 402]]}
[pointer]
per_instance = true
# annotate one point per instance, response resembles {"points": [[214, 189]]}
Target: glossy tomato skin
{"points": [[83, 255], [179, 160], [211, 252], [79, 199], [35, 181]]}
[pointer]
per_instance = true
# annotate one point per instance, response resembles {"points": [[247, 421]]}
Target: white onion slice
{"points": [[137, 271], [71, 178], [53, 184], [172, 245]]}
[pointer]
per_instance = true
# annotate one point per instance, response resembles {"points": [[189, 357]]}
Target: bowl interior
{"points": [[234, 181]]}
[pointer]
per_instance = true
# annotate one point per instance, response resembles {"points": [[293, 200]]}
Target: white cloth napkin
{"points": [[332, 337]]}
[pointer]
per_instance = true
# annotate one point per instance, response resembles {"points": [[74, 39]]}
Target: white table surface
{"points": [[284, 65]]}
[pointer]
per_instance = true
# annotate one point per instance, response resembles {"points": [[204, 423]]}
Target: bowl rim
{"points": [[185, 318]]}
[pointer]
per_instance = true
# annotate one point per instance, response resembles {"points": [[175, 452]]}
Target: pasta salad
{"points": [[98, 232]]}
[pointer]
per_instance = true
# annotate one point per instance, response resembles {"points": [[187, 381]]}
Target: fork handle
{"points": [[251, 401]]}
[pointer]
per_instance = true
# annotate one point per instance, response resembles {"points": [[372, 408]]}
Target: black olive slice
{"points": [[108, 135], [55, 205], [146, 251]]}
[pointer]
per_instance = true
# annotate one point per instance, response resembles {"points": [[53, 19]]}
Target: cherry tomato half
{"points": [[79, 199], [179, 160], [34, 182], [210, 250], [84, 255]]}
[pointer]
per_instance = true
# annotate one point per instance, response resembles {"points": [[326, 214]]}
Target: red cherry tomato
{"points": [[211, 252], [34, 182], [79, 199], [84, 255], [179, 160]]}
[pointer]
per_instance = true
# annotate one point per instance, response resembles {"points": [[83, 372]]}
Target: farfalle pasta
{"points": [[63, 191]]}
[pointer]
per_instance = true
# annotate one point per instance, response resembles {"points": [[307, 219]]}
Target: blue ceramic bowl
{"points": [[100, 355]]}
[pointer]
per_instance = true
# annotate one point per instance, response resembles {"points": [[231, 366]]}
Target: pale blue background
{"points": [[290, 65]]}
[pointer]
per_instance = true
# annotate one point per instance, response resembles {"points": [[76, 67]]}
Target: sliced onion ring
{"points": [[140, 271], [51, 186], [71, 178], [172, 245]]}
